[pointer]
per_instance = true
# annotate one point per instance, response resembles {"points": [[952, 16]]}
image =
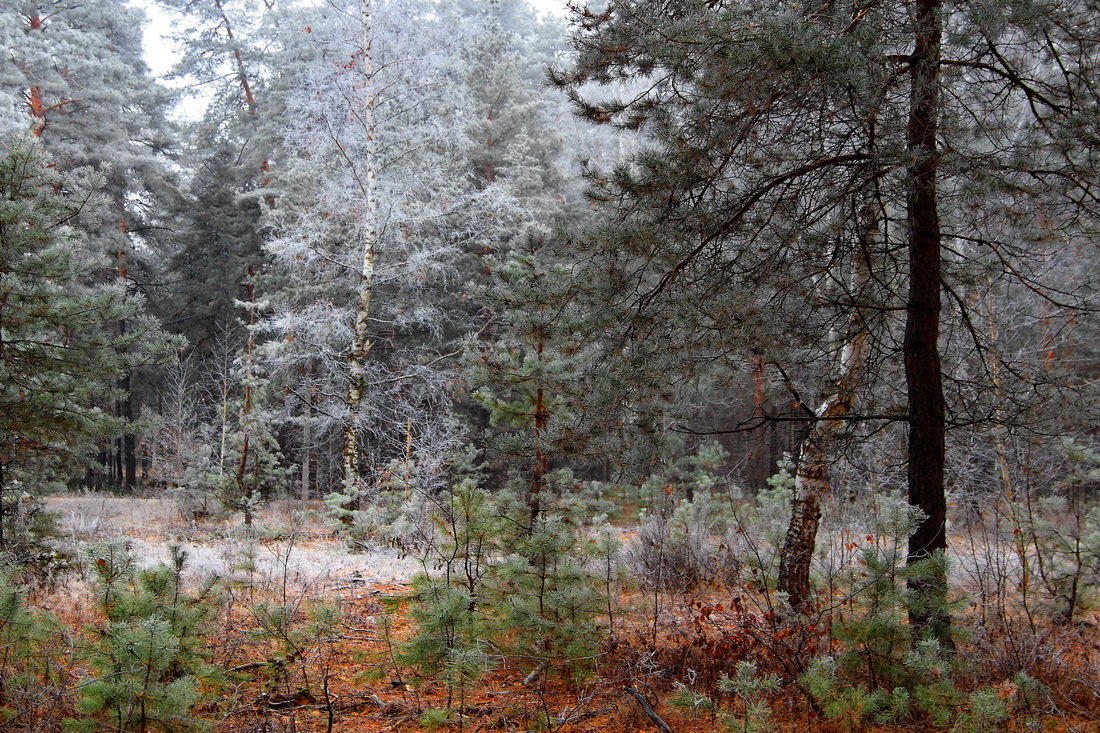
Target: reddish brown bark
{"points": [[249, 96], [924, 378], [246, 407]]}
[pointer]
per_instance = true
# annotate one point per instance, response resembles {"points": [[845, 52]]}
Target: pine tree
{"points": [[82, 88], [151, 655], [771, 128], [60, 355], [234, 147]]}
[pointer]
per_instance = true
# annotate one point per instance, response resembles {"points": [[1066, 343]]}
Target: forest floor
{"points": [[345, 680]]}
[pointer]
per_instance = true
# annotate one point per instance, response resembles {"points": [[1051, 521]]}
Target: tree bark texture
{"points": [[361, 341], [126, 444], [246, 406], [541, 464], [811, 480], [924, 379], [307, 439]]}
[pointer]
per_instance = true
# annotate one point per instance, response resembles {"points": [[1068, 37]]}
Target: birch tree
{"points": [[373, 210], [365, 176]]}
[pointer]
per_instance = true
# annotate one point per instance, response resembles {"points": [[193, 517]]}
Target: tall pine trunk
{"points": [[923, 376], [245, 82], [125, 458], [246, 406]]}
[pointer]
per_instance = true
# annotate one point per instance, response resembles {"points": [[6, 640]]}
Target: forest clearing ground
{"points": [[346, 681], [292, 540]]}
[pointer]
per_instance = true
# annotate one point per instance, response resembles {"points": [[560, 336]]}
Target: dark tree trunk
{"points": [[758, 458], [924, 380], [542, 460], [127, 442], [3, 487]]}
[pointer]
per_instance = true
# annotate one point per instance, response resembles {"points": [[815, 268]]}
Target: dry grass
{"points": [[291, 540]]}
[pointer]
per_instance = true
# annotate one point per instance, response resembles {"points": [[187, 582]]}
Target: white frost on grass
{"points": [[305, 556]]}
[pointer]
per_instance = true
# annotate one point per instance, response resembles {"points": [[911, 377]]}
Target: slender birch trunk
{"points": [[811, 480], [361, 342]]}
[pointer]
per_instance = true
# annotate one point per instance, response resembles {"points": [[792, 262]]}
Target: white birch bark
{"points": [[368, 228]]}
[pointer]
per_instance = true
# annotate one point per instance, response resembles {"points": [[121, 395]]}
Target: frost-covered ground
{"points": [[291, 540]]}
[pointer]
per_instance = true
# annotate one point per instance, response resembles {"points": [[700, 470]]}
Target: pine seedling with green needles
{"points": [[688, 700], [547, 597], [985, 712], [847, 704], [448, 622], [151, 659], [292, 639], [751, 690], [28, 657], [450, 612]]}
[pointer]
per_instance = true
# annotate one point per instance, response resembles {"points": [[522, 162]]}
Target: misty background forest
{"points": [[476, 365]]}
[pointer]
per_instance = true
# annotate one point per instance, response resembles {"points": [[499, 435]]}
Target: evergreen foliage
{"points": [[294, 631], [81, 87], [498, 589], [30, 660], [786, 147], [750, 688], [61, 354], [808, 230], [151, 657]]}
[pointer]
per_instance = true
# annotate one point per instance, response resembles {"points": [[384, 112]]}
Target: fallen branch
{"points": [[661, 725]]}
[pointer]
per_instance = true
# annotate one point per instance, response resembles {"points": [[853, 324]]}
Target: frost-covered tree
{"points": [[75, 78], [506, 103], [374, 204]]}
